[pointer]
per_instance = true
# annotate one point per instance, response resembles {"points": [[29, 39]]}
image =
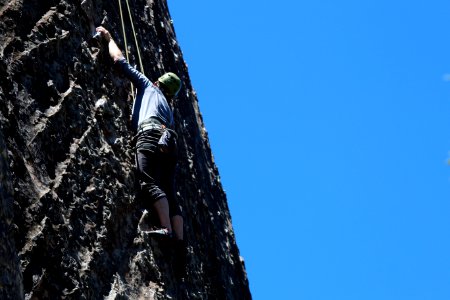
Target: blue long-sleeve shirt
{"points": [[149, 101]]}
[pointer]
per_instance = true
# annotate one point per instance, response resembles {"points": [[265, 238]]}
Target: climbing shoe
{"points": [[162, 232]]}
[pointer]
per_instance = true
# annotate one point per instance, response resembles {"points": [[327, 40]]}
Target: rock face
{"points": [[10, 275], [68, 210]]}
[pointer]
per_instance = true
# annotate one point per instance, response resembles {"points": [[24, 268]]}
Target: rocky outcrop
{"points": [[68, 202], [10, 274]]}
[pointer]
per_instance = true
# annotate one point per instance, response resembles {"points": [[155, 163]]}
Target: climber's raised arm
{"points": [[136, 77], [114, 50]]}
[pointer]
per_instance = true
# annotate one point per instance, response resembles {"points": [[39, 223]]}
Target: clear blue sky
{"points": [[330, 124]]}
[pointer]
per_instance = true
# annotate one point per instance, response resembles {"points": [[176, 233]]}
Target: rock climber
{"points": [[152, 118]]}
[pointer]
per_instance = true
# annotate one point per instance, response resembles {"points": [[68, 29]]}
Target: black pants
{"points": [[155, 171]]}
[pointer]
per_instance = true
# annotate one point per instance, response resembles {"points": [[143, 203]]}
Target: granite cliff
{"points": [[68, 208]]}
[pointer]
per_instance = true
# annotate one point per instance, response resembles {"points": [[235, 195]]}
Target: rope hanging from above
{"points": [[125, 39]]}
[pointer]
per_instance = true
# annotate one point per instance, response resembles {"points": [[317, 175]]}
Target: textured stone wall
{"points": [[10, 274], [64, 117]]}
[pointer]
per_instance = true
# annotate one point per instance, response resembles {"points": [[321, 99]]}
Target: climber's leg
{"points": [[161, 207], [177, 223], [149, 167]]}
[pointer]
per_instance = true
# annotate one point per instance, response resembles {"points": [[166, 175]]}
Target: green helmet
{"points": [[171, 83]]}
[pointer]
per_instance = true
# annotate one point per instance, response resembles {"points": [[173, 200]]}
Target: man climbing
{"points": [[152, 118]]}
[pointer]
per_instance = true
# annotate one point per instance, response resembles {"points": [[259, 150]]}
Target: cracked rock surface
{"points": [[69, 212]]}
